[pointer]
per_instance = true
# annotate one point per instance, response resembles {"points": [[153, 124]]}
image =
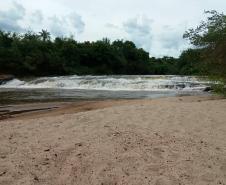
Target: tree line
{"points": [[37, 54]]}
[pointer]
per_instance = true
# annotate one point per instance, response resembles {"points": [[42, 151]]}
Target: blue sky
{"points": [[155, 25]]}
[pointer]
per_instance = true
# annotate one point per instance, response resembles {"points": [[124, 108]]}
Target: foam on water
{"points": [[112, 83]]}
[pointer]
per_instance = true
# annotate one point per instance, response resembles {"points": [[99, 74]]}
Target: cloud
{"points": [[17, 19], [111, 26], [37, 17], [68, 24], [168, 40], [9, 19], [171, 38], [104, 19], [139, 31], [76, 22], [56, 26]]}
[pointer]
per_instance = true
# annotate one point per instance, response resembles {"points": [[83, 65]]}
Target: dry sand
{"points": [[173, 141]]}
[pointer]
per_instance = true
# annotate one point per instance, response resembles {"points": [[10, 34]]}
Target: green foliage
{"points": [[189, 63], [32, 54], [220, 89], [37, 54], [210, 39], [209, 33]]}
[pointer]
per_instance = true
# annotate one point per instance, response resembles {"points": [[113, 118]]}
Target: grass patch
{"points": [[220, 89]]}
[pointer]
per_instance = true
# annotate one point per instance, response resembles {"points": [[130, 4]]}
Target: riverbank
{"points": [[46, 109], [178, 140], [25, 110]]}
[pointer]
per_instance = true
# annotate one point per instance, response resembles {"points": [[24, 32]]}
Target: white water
{"points": [[112, 83]]}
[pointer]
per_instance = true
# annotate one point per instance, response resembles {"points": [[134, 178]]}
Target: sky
{"points": [[154, 25]]}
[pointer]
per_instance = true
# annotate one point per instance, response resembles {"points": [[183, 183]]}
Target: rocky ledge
{"points": [[5, 78]]}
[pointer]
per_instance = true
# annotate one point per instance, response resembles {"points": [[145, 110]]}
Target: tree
{"points": [[36, 54], [45, 35], [210, 38]]}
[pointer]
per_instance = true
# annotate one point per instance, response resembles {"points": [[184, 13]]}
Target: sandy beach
{"points": [[168, 141]]}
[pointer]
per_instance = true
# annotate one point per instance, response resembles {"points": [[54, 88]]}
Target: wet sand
{"points": [[179, 140], [37, 110]]}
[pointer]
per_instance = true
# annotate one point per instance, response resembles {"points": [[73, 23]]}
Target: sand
{"points": [[173, 141], [37, 110]]}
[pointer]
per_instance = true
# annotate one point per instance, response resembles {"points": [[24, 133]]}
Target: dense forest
{"points": [[37, 54]]}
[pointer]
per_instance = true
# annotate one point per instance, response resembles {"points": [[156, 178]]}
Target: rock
{"points": [[2, 173], [36, 178], [5, 78], [208, 89], [181, 86]]}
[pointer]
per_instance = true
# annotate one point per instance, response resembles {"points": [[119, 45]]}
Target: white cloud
{"points": [[10, 19], [111, 26], [139, 31], [17, 19], [76, 22], [168, 40], [93, 20], [57, 25], [71, 24], [37, 17]]}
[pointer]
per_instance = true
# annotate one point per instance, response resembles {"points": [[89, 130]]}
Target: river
{"points": [[101, 87]]}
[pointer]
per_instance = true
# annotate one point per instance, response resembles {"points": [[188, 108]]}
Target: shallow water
{"points": [[100, 87]]}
